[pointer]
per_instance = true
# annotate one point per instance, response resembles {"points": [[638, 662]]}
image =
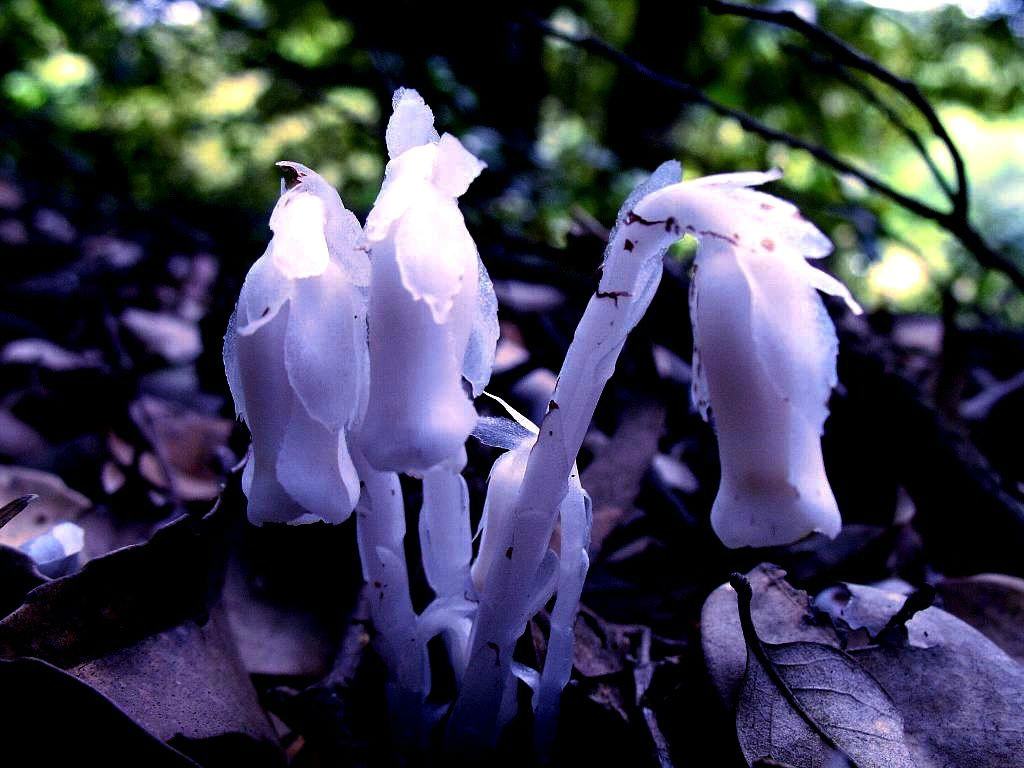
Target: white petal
{"points": [[478, 361], [269, 400], [418, 413], [699, 391], [793, 335], [341, 228], [264, 292], [499, 432], [455, 166], [325, 350], [436, 256], [314, 467], [445, 540], [411, 123], [768, 390], [740, 179], [299, 247], [825, 283], [502, 490], [406, 182], [231, 371]]}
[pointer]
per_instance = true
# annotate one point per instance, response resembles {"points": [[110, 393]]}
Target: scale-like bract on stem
{"points": [[431, 306], [563, 573], [764, 353], [296, 359]]}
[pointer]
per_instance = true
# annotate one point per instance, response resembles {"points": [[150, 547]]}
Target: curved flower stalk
{"points": [[432, 315], [764, 352], [295, 356], [508, 590]]}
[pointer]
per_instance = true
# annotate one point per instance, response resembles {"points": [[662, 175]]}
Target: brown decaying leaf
{"points": [[139, 626], [613, 478], [62, 721], [992, 603], [189, 446], [54, 503], [780, 613], [803, 702], [961, 697]]}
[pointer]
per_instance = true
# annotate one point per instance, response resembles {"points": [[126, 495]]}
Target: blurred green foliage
{"points": [[185, 106]]}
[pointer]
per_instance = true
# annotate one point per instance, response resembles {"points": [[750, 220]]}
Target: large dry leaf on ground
{"points": [[61, 721], [960, 696], [781, 614], [806, 704], [56, 503], [992, 603], [137, 625]]}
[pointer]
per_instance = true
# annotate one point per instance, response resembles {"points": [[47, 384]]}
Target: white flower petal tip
{"points": [[455, 166], [303, 219], [411, 123], [772, 519], [740, 179]]}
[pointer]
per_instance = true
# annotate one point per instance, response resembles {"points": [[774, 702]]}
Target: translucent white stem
{"points": [[380, 532], [631, 274], [445, 539]]}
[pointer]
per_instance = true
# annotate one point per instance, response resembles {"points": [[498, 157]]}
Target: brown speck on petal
{"points": [[768, 245]]}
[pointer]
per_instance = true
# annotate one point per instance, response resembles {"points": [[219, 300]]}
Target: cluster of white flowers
{"points": [[353, 355]]}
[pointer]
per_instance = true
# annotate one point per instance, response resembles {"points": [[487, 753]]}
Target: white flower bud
{"points": [[432, 314], [296, 359]]}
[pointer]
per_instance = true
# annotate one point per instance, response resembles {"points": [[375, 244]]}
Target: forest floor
{"points": [[192, 637]]}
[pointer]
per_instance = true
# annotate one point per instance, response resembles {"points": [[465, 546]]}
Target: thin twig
{"points": [[890, 114], [851, 57], [955, 221]]}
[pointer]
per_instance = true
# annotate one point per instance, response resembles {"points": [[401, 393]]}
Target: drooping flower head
{"points": [[764, 351], [296, 359], [432, 313]]}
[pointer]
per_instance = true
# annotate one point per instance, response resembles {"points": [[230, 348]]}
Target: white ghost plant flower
{"points": [[765, 350], [296, 359], [432, 313]]}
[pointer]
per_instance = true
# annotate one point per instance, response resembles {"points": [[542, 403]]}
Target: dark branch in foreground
{"points": [[956, 221], [849, 56]]}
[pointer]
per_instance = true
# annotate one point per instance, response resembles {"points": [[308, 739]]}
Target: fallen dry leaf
{"points": [[961, 697], [804, 702], [992, 603]]}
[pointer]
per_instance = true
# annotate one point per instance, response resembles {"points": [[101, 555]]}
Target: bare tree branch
{"points": [[874, 98], [955, 221], [851, 57]]}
